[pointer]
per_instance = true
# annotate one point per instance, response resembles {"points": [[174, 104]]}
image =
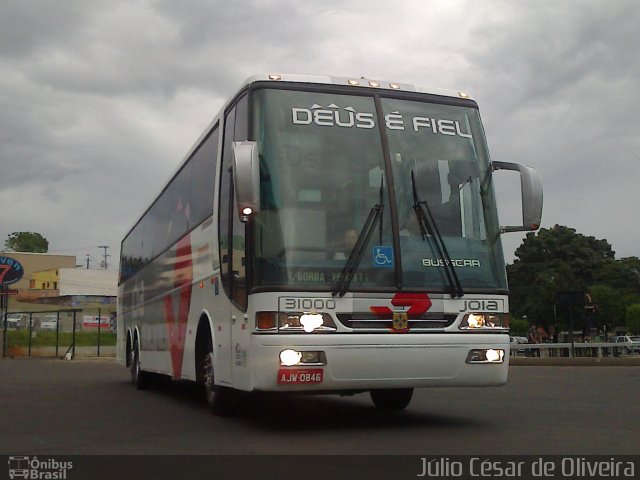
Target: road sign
{"points": [[11, 271]]}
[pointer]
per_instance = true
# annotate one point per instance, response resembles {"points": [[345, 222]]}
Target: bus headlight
{"points": [[473, 321], [311, 321], [308, 322], [305, 322]]}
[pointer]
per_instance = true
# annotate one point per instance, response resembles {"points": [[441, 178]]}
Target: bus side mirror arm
{"points": [[246, 178], [531, 189]]}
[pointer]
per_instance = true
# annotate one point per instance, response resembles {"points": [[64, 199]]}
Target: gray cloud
{"points": [[28, 26]]}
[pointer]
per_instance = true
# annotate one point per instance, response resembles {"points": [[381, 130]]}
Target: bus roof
{"points": [[355, 82]]}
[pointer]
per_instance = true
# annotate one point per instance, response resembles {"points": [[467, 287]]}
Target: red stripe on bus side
{"points": [[177, 324]]}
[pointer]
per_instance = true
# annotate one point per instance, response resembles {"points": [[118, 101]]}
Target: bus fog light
{"points": [[494, 356], [309, 357], [314, 358], [289, 358], [489, 355], [475, 356]]}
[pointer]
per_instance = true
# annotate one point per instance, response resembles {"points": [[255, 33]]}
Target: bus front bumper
{"points": [[360, 362]]}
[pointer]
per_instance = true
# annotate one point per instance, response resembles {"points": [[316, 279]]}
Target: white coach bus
{"points": [[325, 235]]}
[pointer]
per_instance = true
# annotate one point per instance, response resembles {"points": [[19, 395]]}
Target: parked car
{"points": [[515, 340], [632, 341], [17, 320], [50, 323]]}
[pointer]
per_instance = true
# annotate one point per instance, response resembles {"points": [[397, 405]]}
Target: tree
{"points": [[610, 310], [633, 319], [550, 261], [623, 275], [26, 242]]}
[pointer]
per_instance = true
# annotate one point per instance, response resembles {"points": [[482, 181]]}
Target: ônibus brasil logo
{"points": [[35, 469]]}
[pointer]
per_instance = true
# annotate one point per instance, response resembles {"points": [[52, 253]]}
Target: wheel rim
{"points": [[208, 378], [135, 365]]}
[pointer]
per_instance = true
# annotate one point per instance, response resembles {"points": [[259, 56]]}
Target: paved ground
{"points": [[55, 407]]}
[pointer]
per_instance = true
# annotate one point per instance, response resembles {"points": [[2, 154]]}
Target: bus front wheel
{"points": [[219, 399], [392, 399]]}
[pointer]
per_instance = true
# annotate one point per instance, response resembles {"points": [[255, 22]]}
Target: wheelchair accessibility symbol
{"points": [[383, 256]]}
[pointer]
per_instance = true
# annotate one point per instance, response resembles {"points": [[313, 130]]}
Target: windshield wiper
{"points": [[428, 226], [351, 265]]}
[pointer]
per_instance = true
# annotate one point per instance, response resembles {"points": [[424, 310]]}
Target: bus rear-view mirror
{"points": [[246, 178], [531, 189]]}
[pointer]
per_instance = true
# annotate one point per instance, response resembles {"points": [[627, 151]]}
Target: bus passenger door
{"points": [[222, 339]]}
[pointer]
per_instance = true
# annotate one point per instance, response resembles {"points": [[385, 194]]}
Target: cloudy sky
{"points": [[100, 100]]}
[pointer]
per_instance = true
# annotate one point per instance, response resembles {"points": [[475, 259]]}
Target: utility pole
{"points": [[105, 255]]}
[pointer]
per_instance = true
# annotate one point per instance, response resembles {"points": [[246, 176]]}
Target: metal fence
{"points": [[572, 350], [84, 332], [59, 333]]}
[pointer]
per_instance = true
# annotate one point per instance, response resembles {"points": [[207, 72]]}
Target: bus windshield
{"points": [[324, 172]]}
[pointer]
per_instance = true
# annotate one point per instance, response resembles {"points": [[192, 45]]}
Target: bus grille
{"points": [[369, 321]]}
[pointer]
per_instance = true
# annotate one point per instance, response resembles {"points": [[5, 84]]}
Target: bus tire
{"points": [[139, 378], [219, 399], [393, 399]]}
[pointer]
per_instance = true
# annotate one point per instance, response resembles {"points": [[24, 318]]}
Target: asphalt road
{"points": [[54, 407]]}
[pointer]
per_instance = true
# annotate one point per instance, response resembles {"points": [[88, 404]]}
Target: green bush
{"points": [[518, 327], [633, 319]]}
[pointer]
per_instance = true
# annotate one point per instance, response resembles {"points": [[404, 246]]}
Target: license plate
{"points": [[300, 376]]}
